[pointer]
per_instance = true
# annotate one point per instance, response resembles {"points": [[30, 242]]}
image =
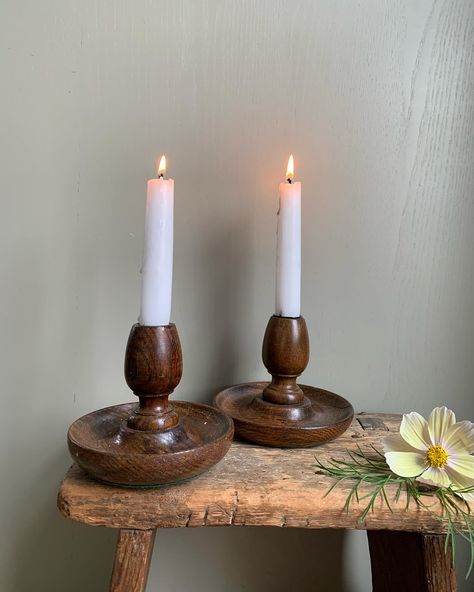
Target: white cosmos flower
{"points": [[436, 452]]}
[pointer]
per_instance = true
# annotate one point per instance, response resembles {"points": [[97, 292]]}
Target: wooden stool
{"points": [[259, 486]]}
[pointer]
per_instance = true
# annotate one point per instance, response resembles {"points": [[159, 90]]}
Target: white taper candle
{"points": [[157, 268], [288, 268]]}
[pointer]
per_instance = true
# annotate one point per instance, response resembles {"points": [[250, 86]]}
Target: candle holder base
{"points": [[323, 416], [281, 412], [109, 450]]}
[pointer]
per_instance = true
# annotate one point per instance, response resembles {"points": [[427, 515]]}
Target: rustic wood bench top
{"points": [[251, 486], [260, 486]]}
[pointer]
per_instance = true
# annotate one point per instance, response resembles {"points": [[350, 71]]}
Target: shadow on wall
{"points": [[54, 554], [228, 318], [41, 551], [231, 259], [248, 558]]}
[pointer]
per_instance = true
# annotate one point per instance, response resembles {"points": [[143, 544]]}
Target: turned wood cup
{"points": [[153, 369], [285, 353]]}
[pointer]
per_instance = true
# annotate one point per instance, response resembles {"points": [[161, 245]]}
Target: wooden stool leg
{"points": [[132, 560], [410, 561]]}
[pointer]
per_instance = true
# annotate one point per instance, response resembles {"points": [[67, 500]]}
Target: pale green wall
{"points": [[375, 100]]}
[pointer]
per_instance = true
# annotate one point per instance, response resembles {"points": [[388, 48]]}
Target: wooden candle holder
{"points": [[153, 442], [283, 413]]}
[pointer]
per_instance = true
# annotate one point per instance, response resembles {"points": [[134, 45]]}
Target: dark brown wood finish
{"points": [[132, 560], [285, 353], [283, 413], [153, 442], [153, 369], [410, 561]]}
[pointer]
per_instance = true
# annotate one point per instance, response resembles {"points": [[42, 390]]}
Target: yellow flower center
{"points": [[436, 456]]}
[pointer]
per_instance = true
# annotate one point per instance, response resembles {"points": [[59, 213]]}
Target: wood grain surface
{"points": [[103, 445], [285, 354], [250, 486], [153, 368], [323, 416], [132, 560], [410, 562]]}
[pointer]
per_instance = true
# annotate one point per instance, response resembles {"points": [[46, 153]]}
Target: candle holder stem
{"points": [[153, 414], [153, 369], [285, 353]]}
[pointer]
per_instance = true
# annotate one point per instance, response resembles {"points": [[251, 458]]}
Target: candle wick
{"points": [[289, 181], [160, 176]]}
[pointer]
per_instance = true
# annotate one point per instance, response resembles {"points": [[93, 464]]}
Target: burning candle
{"points": [[157, 268], [288, 268]]}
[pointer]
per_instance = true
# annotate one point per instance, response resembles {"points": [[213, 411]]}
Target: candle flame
{"points": [[162, 166], [290, 171]]}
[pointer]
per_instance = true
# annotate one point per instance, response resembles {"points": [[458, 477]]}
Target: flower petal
{"points": [[406, 464], [395, 443], [462, 464], [459, 481], [435, 476], [459, 438], [439, 421], [466, 495], [414, 430]]}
